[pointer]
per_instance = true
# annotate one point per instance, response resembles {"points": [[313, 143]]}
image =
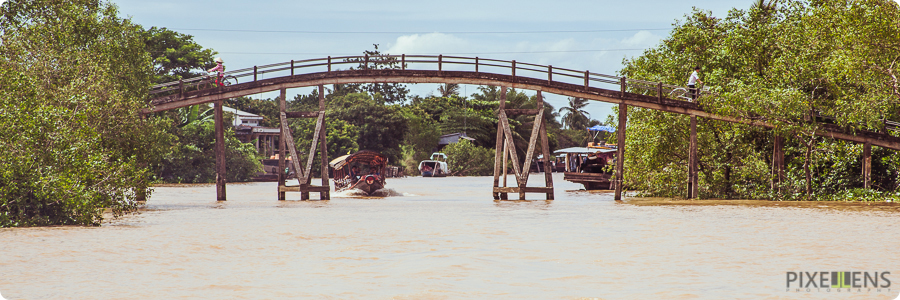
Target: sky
{"points": [[593, 35]]}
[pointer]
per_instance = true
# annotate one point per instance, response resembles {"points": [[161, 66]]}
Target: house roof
{"points": [[240, 113], [453, 138], [583, 150]]}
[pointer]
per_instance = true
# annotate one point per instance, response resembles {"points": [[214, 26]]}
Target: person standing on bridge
{"points": [[692, 83], [221, 68]]}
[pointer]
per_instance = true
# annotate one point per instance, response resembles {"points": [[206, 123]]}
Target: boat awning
{"points": [[583, 150], [338, 163], [364, 156], [602, 128]]}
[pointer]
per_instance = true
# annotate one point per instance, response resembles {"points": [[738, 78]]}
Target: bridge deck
{"points": [[189, 98]]}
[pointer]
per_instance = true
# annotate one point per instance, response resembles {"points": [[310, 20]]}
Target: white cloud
{"points": [[642, 38], [430, 43]]}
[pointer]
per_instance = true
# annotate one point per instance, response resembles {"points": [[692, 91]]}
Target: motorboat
{"points": [[360, 171], [436, 166]]}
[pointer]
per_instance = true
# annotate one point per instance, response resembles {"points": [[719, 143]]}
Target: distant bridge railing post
{"points": [[476, 64], [514, 69], [366, 65], [550, 73], [292, 68], [403, 62], [659, 93], [254, 73], [329, 63], [587, 76], [440, 62]]}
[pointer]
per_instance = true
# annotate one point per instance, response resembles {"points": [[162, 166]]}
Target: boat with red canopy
{"points": [[362, 171]]}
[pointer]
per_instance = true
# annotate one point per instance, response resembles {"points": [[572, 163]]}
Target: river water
{"points": [[445, 238]]}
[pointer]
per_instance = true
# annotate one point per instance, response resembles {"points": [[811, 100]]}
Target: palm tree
{"points": [[448, 89], [764, 8], [192, 114], [574, 115]]}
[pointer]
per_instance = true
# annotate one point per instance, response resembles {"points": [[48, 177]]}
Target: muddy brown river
{"points": [[445, 238]]}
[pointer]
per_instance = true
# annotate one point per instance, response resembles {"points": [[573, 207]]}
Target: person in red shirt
{"points": [[221, 71]]}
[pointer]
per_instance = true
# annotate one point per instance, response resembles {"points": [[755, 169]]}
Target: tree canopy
{"points": [[795, 64]]}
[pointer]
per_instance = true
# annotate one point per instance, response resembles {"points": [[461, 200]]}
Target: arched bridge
{"points": [[477, 71]]}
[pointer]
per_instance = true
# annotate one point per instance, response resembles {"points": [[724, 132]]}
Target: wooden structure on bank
{"points": [[567, 82], [507, 150], [303, 175]]}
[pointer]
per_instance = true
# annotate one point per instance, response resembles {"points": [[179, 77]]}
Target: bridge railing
{"points": [[434, 63]]}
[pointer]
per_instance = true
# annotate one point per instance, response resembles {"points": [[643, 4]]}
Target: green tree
{"points": [[788, 64], [466, 159], [390, 93], [72, 77], [448, 89], [192, 159], [574, 115], [175, 55]]}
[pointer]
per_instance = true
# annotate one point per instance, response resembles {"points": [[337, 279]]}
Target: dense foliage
{"points": [[466, 159], [72, 77], [796, 65], [191, 158]]}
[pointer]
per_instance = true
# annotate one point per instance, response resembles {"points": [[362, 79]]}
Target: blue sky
{"points": [[484, 28]]}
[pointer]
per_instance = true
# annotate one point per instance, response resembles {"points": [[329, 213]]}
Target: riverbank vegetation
{"points": [[794, 64], [73, 76]]}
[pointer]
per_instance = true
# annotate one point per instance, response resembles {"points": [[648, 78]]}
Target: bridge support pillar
{"points": [[304, 175], [220, 152], [508, 148], [778, 163], [500, 146], [282, 176], [867, 165], [692, 186], [620, 151]]}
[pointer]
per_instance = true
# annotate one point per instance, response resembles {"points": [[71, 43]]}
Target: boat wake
{"points": [[386, 192]]}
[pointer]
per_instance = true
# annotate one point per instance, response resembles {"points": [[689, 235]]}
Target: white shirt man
{"points": [[692, 82]]}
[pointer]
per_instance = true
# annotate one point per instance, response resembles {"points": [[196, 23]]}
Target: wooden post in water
{"points": [[282, 177], [620, 148], [498, 148], [220, 152], [778, 163], [545, 147], [502, 136], [867, 165], [323, 151], [692, 161]]}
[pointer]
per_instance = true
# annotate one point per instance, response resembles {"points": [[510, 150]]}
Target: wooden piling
{"points": [[778, 163], [692, 161], [282, 147], [220, 152], [620, 149], [867, 165], [323, 151], [545, 148], [502, 134], [498, 148]]}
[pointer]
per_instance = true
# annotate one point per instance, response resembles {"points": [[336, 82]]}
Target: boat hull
{"points": [[591, 181], [433, 174], [369, 189]]}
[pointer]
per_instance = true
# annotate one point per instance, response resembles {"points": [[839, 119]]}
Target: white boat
{"points": [[435, 167]]}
